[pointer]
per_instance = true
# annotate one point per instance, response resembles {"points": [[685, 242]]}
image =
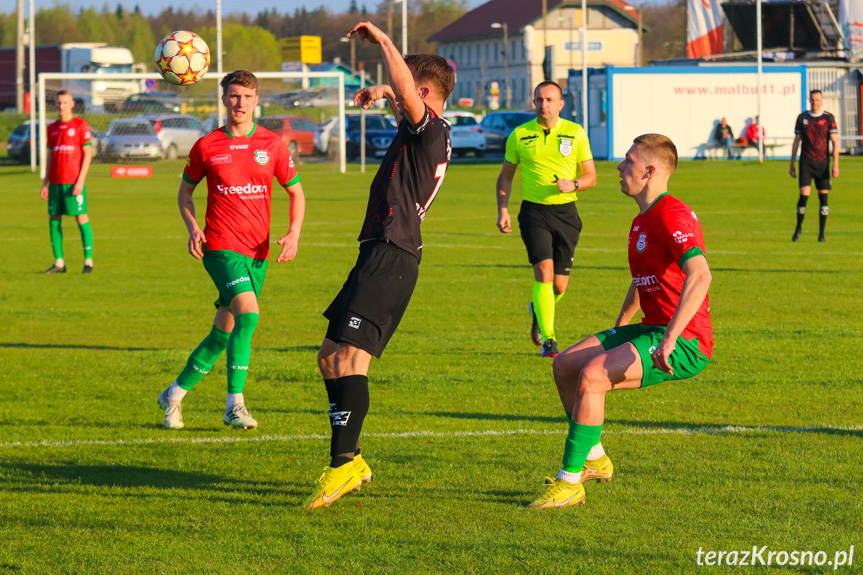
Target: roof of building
{"points": [[517, 14]]}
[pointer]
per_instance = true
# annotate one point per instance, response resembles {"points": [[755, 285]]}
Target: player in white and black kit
{"points": [[367, 310], [816, 128]]}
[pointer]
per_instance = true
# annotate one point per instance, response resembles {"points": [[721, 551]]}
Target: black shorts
{"points": [[368, 309], [550, 233], [818, 171]]}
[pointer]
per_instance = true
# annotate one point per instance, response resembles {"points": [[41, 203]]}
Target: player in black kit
{"points": [[816, 128], [367, 310]]}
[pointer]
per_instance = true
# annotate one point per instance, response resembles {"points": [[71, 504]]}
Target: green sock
{"points": [[543, 307], [56, 238], [203, 358], [580, 440], [86, 239], [557, 297], [239, 351]]}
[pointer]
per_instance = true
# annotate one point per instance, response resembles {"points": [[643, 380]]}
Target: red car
{"points": [[296, 132]]}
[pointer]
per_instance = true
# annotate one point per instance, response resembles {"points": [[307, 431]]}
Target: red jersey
{"points": [[66, 140], [658, 239], [240, 172]]}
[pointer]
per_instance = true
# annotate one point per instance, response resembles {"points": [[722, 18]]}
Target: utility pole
{"points": [[19, 60], [640, 35]]}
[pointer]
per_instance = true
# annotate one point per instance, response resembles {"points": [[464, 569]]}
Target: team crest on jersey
{"points": [[805, 122], [71, 131], [642, 242], [262, 157], [565, 147]]}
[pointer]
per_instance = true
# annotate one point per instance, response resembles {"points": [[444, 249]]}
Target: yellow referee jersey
{"points": [[544, 158]]}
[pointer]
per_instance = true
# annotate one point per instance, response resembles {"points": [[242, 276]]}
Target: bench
{"points": [[714, 151]]}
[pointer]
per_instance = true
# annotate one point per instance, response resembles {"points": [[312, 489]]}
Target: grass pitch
{"points": [[762, 448]]}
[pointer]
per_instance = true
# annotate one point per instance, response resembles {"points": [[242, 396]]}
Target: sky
{"points": [[228, 6]]}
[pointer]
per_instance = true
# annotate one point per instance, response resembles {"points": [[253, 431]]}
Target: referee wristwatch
{"points": [[576, 185]]}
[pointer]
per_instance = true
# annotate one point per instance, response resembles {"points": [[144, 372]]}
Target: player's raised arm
{"points": [[366, 97], [401, 79], [290, 240], [187, 212]]}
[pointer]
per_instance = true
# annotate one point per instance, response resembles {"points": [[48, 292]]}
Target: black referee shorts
{"points": [[550, 233], [368, 309], [818, 171]]}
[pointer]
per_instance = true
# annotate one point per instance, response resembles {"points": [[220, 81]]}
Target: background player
{"points": [[551, 152], [239, 161], [65, 174], [814, 128], [366, 312], [670, 279]]}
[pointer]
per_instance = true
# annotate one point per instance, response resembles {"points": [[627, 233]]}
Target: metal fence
{"points": [[143, 118]]}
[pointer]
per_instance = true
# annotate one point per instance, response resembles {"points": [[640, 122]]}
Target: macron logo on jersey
{"points": [[246, 189]]}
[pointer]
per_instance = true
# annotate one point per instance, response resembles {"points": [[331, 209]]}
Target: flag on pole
{"points": [[851, 21], [704, 28]]}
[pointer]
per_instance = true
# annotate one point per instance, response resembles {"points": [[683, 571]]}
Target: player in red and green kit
{"points": [[239, 161], [63, 186], [670, 279]]}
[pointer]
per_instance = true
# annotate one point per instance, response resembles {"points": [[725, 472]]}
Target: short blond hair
{"points": [[658, 148]]}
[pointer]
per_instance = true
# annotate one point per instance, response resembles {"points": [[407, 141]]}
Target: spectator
{"points": [[724, 136]]}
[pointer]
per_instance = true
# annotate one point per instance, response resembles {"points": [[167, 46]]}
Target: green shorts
{"points": [[686, 361], [61, 202], [234, 274]]}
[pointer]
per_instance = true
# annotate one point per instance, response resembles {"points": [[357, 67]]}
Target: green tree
{"points": [[246, 47], [57, 24], [7, 28]]}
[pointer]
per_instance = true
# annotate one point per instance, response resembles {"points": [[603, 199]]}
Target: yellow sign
{"points": [[305, 49]]}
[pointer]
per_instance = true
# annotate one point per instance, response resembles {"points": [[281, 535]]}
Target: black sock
{"points": [[822, 222], [801, 210], [332, 394], [352, 405]]}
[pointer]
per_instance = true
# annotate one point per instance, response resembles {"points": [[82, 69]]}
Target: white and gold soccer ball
{"points": [[182, 57]]}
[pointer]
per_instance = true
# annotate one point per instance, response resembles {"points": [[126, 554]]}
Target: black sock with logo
{"points": [[822, 222], [351, 408], [332, 394], [801, 210]]}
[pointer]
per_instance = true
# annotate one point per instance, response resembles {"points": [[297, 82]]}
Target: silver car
{"points": [[130, 139], [177, 132]]}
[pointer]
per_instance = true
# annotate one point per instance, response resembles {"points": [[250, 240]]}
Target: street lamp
{"points": [[404, 4], [505, 56], [353, 56]]}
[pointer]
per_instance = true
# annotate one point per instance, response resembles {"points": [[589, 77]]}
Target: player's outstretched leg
{"points": [[199, 364]]}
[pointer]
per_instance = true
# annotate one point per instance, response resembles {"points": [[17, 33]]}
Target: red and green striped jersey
{"points": [[67, 140], [660, 241], [240, 172]]}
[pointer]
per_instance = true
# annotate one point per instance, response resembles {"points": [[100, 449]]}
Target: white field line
{"points": [[730, 429]]}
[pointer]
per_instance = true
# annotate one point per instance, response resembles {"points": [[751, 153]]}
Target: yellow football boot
{"points": [[363, 469], [335, 482], [559, 493], [597, 470]]}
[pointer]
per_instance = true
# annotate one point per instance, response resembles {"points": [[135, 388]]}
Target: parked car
{"points": [[466, 135], [18, 144], [130, 139], [177, 132], [293, 99], [497, 127], [381, 130], [296, 132], [152, 102], [322, 134]]}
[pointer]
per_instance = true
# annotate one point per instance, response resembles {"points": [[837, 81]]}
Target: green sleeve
{"points": [[296, 180], [689, 254], [584, 153], [512, 147]]}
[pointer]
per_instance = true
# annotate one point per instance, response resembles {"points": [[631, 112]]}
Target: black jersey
{"points": [[409, 178], [815, 132]]}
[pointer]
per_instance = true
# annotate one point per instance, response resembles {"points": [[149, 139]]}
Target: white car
{"points": [[322, 134], [466, 134]]}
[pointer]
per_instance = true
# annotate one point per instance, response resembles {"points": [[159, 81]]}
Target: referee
{"points": [[815, 128], [552, 153]]}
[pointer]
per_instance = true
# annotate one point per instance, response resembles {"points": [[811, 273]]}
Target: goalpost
{"points": [[102, 97]]}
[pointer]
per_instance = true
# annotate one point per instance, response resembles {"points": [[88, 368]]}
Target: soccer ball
{"points": [[182, 57]]}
